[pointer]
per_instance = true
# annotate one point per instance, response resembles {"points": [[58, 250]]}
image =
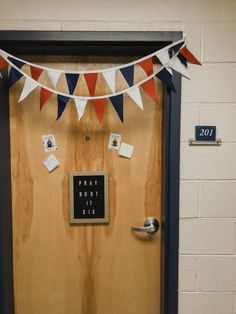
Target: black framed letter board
{"points": [[89, 197]]}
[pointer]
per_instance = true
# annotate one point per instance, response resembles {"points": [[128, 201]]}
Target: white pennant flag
{"points": [[54, 77], [164, 57], [80, 106], [28, 87], [176, 65], [110, 77], [134, 93]]}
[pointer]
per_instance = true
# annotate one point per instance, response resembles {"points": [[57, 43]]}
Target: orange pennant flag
{"points": [[147, 65], [99, 105], [189, 56], [150, 89], [3, 63], [91, 80], [44, 95], [35, 72]]}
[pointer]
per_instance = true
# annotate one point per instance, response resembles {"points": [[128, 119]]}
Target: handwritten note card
{"points": [[126, 150], [51, 163]]}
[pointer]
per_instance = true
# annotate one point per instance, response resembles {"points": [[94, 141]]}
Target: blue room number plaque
{"points": [[205, 133], [89, 197]]}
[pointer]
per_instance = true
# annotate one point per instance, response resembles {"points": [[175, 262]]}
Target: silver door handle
{"points": [[151, 225]]}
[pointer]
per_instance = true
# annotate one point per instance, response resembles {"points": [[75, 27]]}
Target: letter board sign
{"points": [[88, 197]]}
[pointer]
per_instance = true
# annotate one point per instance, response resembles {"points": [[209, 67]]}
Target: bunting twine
{"points": [[178, 62], [158, 52]]}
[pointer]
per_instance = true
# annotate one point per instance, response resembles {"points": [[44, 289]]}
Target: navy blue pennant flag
{"points": [[128, 73], [177, 47], [72, 79], [183, 60], [166, 78], [62, 101], [117, 102], [17, 63], [14, 76]]}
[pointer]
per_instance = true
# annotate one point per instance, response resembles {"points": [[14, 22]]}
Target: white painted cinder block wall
{"points": [[208, 174]]}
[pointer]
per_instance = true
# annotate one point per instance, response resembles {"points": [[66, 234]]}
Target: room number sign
{"points": [[205, 133], [89, 197]]}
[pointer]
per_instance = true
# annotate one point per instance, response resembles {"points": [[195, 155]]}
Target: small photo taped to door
{"points": [[114, 141], [49, 142]]}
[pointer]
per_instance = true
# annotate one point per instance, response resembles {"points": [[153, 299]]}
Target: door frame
{"points": [[100, 43]]}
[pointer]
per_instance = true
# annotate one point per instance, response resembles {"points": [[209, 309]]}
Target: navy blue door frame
{"points": [[95, 43]]}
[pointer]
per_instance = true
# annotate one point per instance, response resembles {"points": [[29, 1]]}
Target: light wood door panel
{"points": [[85, 269]]}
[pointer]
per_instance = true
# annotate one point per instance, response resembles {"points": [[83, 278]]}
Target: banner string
{"points": [[6, 54], [89, 97]]}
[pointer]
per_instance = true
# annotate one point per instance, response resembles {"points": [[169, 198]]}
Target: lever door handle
{"points": [[151, 226]]}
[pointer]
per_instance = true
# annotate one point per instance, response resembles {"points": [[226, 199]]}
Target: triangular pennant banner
{"points": [[35, 72], [44, 95], [147, 66], [54, 76], [14, 76], [177, 47], [182, 59], [164, 58], [80, 107], [3, 63], [62, 101], [117, 102], [99, 105], [28, 87], [189, 56], [17, 63], [110, 77], [91, 80], [128, 73], [134, 93], [166, 78], [72, 79], [150, 89], [176, 65]]}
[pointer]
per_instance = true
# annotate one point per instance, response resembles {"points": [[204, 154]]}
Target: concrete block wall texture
{"points": [[207, 269]]}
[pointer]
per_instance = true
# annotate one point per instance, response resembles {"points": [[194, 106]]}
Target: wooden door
{"points": [[85, 269]]}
